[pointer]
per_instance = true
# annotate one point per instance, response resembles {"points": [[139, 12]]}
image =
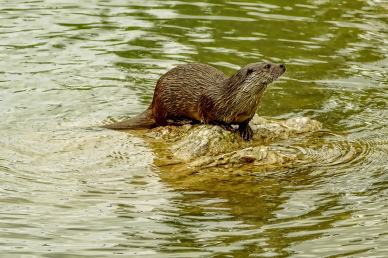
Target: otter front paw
{"points": [[246, 132]]}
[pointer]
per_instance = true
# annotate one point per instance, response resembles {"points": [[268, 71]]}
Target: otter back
{"points": [[178, 92]]}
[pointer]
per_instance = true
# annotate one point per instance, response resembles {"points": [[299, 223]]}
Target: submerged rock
{"points": [[207, 146]]}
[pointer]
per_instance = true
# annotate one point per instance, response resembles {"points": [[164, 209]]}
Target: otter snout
{"points": [[279, 70]]}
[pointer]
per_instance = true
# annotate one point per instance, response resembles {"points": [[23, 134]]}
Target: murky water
{"points": [[68, 189]]}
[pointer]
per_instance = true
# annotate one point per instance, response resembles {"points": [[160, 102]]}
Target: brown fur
{"points": [[199, 92]]}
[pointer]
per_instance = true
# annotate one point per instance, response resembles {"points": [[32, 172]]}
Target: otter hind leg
{"points": [[245, 131], [183, 121]]}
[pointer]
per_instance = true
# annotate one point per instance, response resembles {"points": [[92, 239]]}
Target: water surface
{"points": [[68, 189]]}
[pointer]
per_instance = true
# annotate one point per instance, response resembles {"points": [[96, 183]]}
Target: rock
{"points": [[206, 146]]}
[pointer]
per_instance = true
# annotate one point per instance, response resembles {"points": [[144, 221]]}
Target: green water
{"points": [[68, 190]]}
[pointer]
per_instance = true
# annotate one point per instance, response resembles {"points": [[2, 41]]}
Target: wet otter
{"points": [[201, 93]]}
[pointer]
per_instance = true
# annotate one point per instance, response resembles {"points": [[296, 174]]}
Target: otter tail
{"points": [[141, 121]]}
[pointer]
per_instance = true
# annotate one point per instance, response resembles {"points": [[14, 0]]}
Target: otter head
{"points": [[254, 78], [259, 75]]}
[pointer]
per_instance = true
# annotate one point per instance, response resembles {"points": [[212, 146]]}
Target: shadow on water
{"points": [[246, 212]]}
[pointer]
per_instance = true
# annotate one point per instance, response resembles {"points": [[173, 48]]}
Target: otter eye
{"points": [[267, 66], [250, 70]]}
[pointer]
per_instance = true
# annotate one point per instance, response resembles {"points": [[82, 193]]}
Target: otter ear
{"points": [[249, 71]]}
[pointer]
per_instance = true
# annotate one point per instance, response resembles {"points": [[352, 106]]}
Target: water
{"points": [[68, 189]]}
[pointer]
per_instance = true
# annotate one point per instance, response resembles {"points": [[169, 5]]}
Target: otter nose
{"points": [[282, 66]]}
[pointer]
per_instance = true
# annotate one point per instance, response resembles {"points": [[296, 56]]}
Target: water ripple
{"points": [[343, 154]]}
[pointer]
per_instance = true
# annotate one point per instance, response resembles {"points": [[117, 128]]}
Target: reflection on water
{"points": [[70, 189]]}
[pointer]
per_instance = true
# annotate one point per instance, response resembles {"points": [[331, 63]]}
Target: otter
{"points": [[200, 93]]}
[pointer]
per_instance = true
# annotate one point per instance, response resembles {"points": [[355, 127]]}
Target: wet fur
{"points": [[201, 93]]}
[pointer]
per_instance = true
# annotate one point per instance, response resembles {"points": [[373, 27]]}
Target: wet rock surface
{"points": [[207, 146]]}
